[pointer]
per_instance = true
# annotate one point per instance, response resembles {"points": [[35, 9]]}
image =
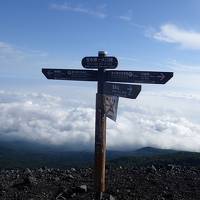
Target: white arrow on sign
{"points": [[111, 105], [162, 76]]}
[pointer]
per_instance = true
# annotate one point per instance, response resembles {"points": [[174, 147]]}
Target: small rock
{"points": [[106, 196], [128, 190], [30, 181], [73, 195], [69, 176], [170, 166], [56, 179], [60, 197], [73, 169], [27, 171], [40, 170], [153, 168], [111, 197], [81, 189]]}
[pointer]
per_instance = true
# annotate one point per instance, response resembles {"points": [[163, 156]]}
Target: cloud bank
{"points": [[170, 33], [79, 9], [46, 119]]}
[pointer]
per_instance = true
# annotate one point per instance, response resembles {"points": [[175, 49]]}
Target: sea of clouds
{"points": [[163, 122]]}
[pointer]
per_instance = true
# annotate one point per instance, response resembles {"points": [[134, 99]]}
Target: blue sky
{"points": [[69, 30], [144, 35]]}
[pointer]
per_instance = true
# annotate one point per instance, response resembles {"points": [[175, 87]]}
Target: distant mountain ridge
{"points": [[18, 154], [150, 151]]}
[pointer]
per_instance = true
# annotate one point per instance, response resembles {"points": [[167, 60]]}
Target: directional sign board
{"points": [[138, 76], [70, 74], [122, 90], [99, 62], [111, 105]]}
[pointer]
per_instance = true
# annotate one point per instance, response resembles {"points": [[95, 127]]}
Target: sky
{"points": [[144, 35]]}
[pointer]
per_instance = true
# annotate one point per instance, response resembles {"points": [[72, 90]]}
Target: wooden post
{"points": [[100, 137]]}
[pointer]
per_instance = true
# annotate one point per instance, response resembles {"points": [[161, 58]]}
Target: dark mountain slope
{"points": [[22, 154]]}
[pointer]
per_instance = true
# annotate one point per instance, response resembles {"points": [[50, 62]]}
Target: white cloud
{"points": [[131, 59], [7, 51], [177, 95], [80, 9], [140, 26], [41, 118], [183, 67], [17, 61], [46, 119], [10, 54], [127, 17], [170, 33], [153, 128]]}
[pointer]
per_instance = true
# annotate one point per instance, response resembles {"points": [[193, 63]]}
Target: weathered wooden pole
{"points": [[100, 135]]}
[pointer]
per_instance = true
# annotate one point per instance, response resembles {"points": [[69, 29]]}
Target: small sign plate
{"points": [[99, 62], [111, 105], [122, 90]]}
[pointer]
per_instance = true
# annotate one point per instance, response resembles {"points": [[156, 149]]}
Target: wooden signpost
{"points": [[108, 93]]}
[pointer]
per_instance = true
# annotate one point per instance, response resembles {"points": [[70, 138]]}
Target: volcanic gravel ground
{"points": [[169, 183]]}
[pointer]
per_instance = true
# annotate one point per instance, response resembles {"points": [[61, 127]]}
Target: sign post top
{"points": [[102, 53]]}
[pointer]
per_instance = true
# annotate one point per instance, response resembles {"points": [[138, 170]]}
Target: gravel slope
{"points": [[169, 183]]}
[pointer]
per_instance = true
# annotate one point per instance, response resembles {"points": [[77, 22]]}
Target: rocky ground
{"points": [[152, 183]]}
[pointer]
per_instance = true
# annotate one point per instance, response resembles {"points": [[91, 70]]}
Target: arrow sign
{"points": [[122, 90], [70, 74], [138, 76], [99, 62], [111, 105]]}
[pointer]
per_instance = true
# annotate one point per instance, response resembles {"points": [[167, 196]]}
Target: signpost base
{"points": [[99, 196]]}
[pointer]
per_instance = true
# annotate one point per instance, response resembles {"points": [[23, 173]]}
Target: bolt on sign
{"points": [[110, 86]]}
